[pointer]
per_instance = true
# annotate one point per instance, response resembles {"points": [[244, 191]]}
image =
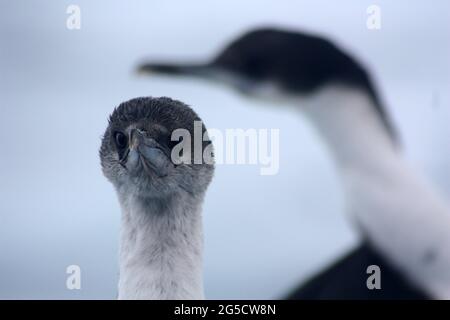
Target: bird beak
{"points": [[208, 71], [175, 69], [136, 137], [148, 152]]}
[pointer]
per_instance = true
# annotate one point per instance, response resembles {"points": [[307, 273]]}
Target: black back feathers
{"points": [[347, 279]]}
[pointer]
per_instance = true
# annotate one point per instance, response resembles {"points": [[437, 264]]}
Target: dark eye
{"points": [[121, 140]]}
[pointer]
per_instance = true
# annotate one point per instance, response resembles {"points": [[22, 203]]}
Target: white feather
{"points": [[403, 216], [161, 250]]}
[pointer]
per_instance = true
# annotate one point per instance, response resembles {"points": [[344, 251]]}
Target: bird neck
{"points": [[398, 211], [347, 120], [161, 249]]}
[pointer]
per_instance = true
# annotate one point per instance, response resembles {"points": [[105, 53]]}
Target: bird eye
{"points": [[121, 140]]}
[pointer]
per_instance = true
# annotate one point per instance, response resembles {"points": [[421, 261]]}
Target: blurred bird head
{"points": [[277, 65], [138, 152]]}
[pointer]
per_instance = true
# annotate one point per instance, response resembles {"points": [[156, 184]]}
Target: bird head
{"points": [[274, 65], [291, 62], [138, 149]]}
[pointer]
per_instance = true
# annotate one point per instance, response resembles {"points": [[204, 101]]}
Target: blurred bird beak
{"points": [[197, 70], [209, 72]]}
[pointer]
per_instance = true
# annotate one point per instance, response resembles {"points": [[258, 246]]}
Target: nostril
{"points": [[141, 131], [135, 137]]}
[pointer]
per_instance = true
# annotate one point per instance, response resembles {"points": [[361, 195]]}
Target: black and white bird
{"points": [[160, 195], [404, 222]]}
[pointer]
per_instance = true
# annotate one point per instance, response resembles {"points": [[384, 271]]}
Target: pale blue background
{"points": [[263, 233]]}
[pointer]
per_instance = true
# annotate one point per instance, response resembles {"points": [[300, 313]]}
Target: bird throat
{"points": [[161, 249]]}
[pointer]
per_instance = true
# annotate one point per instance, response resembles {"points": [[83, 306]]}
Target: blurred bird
{"points": [[404, 222], [161, 233]]}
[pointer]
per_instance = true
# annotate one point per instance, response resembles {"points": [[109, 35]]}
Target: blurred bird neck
{"points": [[348, 121], [403, 217], [161, 249]]}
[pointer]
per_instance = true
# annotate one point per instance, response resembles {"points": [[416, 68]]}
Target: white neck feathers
{"points": [[400, 213], [161, 249], [347, 120]]}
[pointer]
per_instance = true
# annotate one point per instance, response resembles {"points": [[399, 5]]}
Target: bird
{"points": [[402, 220], [160, 192]]}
